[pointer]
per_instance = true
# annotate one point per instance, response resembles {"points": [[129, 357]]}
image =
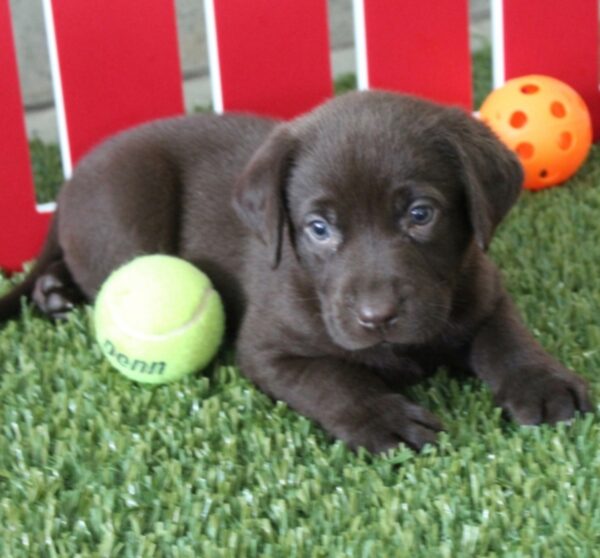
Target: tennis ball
{"points": [[158, 318]]}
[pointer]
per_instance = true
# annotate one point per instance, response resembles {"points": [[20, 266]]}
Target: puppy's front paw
{"points": [[55, 293], [536, 395], [386, 420]]}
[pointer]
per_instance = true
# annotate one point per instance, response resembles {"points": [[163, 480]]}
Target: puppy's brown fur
{"points": [[351, 261]]}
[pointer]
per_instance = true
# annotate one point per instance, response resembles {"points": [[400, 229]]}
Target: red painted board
{"points": [[119, 65], [420, 48], [274, 57], [558, 38], [22, 228]]}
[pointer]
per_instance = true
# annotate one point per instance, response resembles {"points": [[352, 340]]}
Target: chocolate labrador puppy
{"points": [[349, 246]]}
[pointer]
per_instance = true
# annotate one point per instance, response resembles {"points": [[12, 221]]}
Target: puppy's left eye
{"points": [[421, 214], [319, 230]]}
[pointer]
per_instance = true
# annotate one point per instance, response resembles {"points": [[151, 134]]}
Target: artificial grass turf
{"points": [[94, 465]]}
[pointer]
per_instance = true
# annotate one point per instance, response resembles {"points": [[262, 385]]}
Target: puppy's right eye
{"points": [[319, 230], [421, 214]]}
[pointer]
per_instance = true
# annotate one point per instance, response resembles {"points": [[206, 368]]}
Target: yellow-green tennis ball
{"points": [[158, 318]]}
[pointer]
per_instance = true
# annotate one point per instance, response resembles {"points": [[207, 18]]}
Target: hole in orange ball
{"points": [[518, 119], [525, 150], [558, 109], [543, 173], [565, 140], [529, 89]]}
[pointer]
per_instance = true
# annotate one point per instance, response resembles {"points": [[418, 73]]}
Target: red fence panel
{"points": [[119, 65], [22, 227], [273, 57], [558, 38], [417, 47]]}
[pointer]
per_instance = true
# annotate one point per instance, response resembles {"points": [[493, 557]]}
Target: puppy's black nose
{"points": [[377, 314]]}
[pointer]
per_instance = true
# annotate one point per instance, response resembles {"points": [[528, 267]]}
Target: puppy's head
{"points": [[382, 196]]}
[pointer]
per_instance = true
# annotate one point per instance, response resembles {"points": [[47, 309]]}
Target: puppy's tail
{"points": [[10, 304]]}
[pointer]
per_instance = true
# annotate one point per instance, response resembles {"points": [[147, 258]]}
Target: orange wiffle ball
{"points": [[546, 122]]}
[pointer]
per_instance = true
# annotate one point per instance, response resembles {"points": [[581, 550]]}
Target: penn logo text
{"points": [[155, 368]]}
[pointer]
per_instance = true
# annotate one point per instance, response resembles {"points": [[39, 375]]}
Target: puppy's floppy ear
{"points": [[492, 176], [259, 195]]}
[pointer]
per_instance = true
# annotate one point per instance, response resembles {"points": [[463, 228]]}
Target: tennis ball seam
{"points": [[125, 328]]}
